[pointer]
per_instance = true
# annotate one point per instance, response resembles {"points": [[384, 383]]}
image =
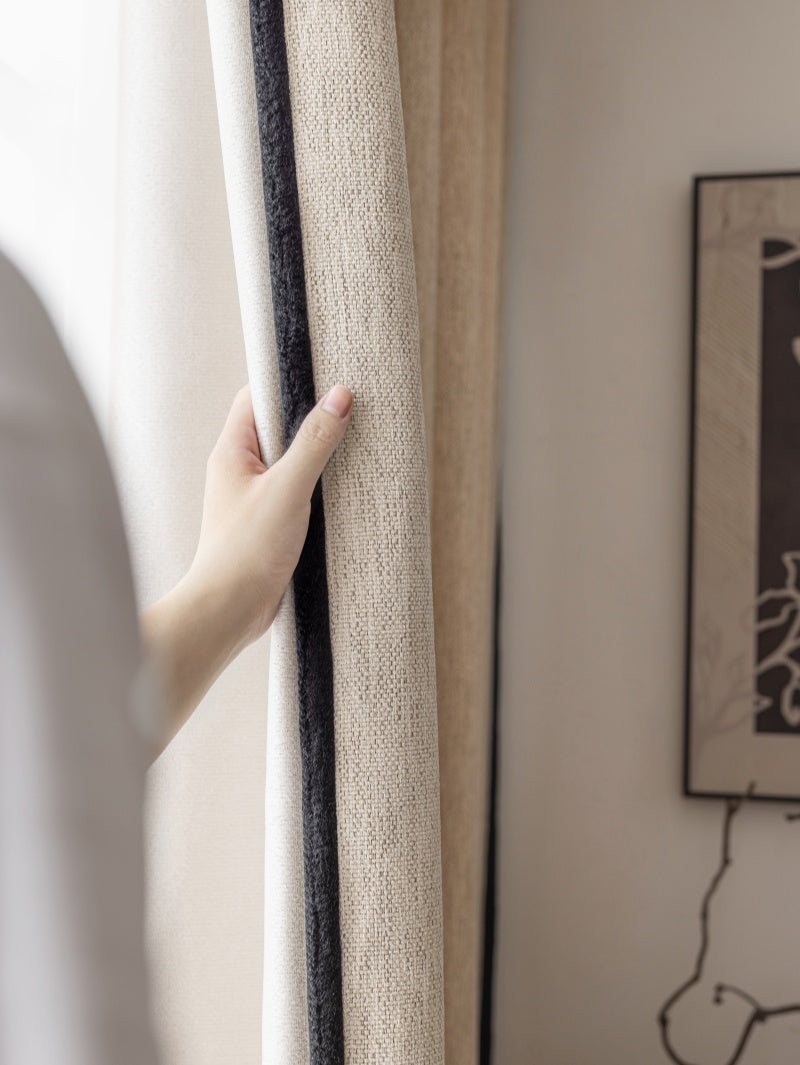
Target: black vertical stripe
{"points": [[314, 656]]}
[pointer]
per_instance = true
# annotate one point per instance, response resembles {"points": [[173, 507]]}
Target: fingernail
{"points": [[338, 401]]}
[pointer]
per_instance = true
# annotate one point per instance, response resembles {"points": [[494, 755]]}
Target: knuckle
{"points": [[319, 432]]}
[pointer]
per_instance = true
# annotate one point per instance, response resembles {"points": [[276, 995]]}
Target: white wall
{"points": [[616, 104]]}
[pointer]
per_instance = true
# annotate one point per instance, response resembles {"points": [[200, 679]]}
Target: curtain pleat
{"points": [[464, 458], [419, 48], [355, 224], [310, 581], [284, 1022], [453, 70]]}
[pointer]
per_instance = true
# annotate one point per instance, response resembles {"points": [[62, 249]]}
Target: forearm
{"points": [[194, 632]]}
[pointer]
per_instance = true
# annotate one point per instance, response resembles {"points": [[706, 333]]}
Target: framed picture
{"points": [[743, 664]]}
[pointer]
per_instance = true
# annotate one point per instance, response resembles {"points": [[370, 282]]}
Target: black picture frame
{"points": [[742, 694]]}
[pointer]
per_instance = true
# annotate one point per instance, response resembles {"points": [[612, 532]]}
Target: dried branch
{"points": [[759, 1014], [731, 809]]}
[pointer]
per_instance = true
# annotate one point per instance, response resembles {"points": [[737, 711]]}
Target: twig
{"points": [[731, 809], [758, 1014]]}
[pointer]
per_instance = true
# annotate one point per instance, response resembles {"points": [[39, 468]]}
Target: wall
{"points": [[615, 105]]}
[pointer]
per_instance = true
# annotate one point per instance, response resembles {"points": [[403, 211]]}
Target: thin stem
{"points": [[759, 1014]]}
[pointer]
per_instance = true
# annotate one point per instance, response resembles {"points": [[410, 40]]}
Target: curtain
{"points": [[453, 76], [177, 361], [317, 832]]}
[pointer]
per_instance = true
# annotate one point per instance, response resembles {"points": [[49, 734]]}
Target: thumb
{"points": [[316, 440]]}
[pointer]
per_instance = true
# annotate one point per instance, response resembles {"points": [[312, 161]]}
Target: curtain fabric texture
{"points": [[453, 69], [319, 111], [362, 145]]}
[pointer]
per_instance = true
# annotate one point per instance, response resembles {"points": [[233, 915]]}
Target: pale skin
{"points": [[253, 528]]}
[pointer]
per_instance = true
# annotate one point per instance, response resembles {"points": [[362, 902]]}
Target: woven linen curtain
{"points": [[362, 145]]}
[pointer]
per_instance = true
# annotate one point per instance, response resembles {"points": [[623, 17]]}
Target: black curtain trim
{"points": [[314, 655], [490, 906]]}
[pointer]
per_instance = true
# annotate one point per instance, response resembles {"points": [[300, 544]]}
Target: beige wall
{"points": [[616, 104]]}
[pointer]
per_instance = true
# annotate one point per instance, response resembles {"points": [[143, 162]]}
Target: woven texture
{"points": [[355, 214], [453, 70], [359, 272], [369, 316]]}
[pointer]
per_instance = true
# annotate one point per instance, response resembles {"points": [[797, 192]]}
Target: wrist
{"points": [[235, 609], [210, 611], [194, 631]]}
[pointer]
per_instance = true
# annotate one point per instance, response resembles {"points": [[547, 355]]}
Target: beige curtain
{"points": [[453, 70]]}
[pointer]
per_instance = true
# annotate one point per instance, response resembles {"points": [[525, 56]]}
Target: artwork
{"points": [[743, 664]]}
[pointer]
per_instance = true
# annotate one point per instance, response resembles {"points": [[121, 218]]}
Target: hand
{"points": [[254, 525]]}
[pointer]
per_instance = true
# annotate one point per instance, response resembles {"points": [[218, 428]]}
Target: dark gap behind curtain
{"points": [[314, 655], [489, 909]]}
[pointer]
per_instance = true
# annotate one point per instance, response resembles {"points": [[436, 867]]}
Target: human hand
{"points": [[253, 528], [255, 519]]}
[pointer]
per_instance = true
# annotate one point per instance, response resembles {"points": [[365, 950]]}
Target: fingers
{"points": [[240, 425], [316, 439], [238, 441]]}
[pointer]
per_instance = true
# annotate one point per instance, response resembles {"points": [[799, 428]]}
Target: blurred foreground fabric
{"points": [[73, 986]]}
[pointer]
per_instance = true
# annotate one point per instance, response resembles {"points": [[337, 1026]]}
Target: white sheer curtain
{"points": [[58, 152], [178, 361], [112, 202]]}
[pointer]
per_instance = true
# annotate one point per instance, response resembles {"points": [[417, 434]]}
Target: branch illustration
{"points": [[732, 807], [757, 231], [759, 1014], [741, 684], [790, 644], [786, 258]]}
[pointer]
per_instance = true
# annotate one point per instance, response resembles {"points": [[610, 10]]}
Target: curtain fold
{"points": [[358, 274], [464, 457]]}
